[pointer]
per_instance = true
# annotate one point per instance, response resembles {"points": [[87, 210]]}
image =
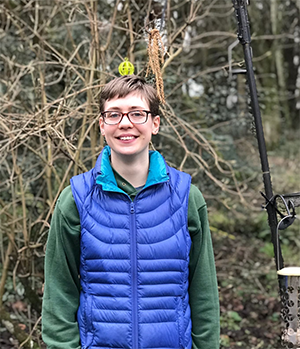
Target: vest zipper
{"points": [[134, 279]]}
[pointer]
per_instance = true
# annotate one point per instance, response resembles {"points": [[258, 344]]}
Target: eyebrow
{"points": [[132, 108]]}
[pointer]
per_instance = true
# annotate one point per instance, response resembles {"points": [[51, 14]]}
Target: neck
{"points": [[134, 170]]}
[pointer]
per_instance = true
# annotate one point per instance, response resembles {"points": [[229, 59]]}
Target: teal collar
{"points": [[158, 171]]}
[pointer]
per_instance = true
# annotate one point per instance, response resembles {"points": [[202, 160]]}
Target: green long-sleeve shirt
{"points": [[62, 284]]}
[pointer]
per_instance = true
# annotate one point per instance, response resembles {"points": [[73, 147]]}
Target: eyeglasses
{"points": [[135, 116]]}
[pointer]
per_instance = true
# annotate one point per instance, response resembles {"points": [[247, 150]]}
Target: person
{"points": [[129, 259]]}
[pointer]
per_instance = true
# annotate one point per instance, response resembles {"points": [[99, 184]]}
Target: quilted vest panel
{"points": [[134, 265]]}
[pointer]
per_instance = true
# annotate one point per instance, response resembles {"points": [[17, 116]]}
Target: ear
{"points": [[155, 124], [101, 124]]}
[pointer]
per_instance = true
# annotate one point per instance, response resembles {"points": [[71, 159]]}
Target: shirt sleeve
{"points": [[203, 287], [62, 284]]}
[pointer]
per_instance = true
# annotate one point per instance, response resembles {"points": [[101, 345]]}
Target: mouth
{"points": [[126, 138]]}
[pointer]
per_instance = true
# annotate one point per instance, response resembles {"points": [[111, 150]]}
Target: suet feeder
{"points": [[126, 67], [289, 282]]}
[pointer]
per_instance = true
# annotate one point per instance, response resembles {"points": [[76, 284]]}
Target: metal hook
{"points": [[233, 71]]}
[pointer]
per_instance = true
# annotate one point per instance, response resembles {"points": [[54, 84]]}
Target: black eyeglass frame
{"points": [[123, 114]]}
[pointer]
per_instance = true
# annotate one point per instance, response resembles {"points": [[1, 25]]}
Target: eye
{"points": [[137, 113], [113, 115]]}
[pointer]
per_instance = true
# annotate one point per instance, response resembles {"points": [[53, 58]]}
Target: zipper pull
{"points": [[131, 208]]}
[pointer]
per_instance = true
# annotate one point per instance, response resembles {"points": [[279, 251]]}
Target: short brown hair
{"points": [[121, 87]]}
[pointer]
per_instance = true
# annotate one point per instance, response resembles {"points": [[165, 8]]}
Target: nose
{"points": [[125, 122]]}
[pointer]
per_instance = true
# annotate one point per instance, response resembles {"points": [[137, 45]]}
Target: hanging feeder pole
{"points": [[244, 37], [288, 278]]}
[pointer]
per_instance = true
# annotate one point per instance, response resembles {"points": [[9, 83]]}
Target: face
{"points": [[127, 139]]}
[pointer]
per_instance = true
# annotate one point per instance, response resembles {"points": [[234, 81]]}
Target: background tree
{"points": [[55, 56]]}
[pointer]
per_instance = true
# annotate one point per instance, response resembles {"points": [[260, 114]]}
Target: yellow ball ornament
{"points": [[126, 67]]}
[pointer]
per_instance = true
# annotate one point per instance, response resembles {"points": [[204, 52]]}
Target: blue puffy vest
{"points": [[134, 259]]}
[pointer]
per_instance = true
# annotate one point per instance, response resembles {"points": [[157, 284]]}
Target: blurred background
{"points": [[56, 55]]}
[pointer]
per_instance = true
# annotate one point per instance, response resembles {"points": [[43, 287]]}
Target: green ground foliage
{"points": [[55, 56]]}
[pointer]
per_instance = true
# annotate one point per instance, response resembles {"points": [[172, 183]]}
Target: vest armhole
{"points": [[81, 185]]}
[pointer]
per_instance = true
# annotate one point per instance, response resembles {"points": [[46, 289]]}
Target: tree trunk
{"points": [[276, 25]]}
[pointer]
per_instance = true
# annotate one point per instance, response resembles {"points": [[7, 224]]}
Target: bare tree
{"points": [[55, 57]]}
